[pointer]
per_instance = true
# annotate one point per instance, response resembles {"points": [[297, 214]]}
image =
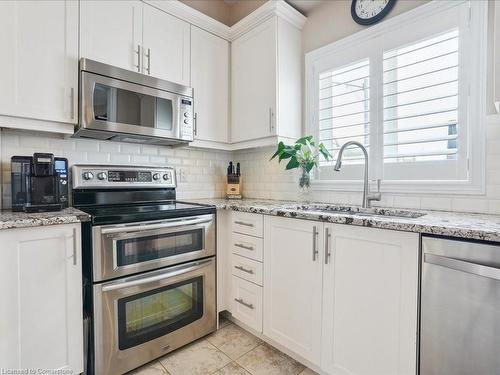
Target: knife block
{"points": [[233, 187]]}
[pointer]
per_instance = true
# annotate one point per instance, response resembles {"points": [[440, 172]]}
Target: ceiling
{"points": [[303, 6]]}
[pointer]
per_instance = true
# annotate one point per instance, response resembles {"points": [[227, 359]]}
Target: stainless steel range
{"points": [[149, 266]]}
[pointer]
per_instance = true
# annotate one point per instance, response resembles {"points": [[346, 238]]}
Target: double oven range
{"points": [[149, 266]]}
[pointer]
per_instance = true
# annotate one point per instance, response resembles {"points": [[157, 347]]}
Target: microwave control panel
{"points": [[95, 176], [186, 119]]}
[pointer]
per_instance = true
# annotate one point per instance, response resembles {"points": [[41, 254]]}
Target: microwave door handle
{"points": [[140, 280], [171, 224]]}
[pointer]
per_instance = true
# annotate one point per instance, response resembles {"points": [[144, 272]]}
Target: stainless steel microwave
{"points": [[120, 105]]}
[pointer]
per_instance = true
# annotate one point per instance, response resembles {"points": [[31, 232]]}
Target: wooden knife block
{"points": [[233, 187]]}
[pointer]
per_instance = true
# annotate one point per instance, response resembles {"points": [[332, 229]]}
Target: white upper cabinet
{"points": [[111, 32], [210, 81], [253, 82], [266, 82], [166, 46], [136, 36], [41, 318], [39, 66], [369, 301], [292, 284]]}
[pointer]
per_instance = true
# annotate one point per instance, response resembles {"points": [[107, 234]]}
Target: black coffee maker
{"points": [[39, 183]]}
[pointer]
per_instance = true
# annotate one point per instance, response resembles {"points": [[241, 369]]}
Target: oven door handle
{"points": [[171, 224], [139, 280]]}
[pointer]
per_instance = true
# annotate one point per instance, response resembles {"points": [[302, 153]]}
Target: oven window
{"points": [[128, 107], [146, 316], [164, 245]]}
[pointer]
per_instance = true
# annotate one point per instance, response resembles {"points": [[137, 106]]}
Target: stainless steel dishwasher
{"points": [[460, 308]]}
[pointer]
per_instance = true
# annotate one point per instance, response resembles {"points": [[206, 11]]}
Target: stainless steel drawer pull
{"points": [[243, 246], [243, 223], [244, 269], [240, 301], [315, 249], [464, 266]]}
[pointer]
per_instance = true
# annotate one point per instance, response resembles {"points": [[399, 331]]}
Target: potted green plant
{"points": [[304, 154]]}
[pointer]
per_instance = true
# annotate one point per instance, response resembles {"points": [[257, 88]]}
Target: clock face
{"points": [[367, 12]]}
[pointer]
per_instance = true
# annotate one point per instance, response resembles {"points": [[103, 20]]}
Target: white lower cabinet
{"points": [[41, 286], [370, 287], [292, 285]]}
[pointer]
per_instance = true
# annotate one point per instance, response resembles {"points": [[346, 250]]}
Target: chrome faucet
{"points": [[367, 196]]}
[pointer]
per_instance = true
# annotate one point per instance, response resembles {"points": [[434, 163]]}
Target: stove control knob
{"points": [[166, 176], [102, 176], [88, 176], [156, 176]]}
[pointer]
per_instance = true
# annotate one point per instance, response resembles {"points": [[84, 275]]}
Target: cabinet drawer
{"points": [[246, 303], [247, 269], [247, 246], [246, 223]]}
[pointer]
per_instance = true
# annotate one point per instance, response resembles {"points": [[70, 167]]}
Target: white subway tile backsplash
{"points": [[120, 159], [198, 184], [130, 148]]}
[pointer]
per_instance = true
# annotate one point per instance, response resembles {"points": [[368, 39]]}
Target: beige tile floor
{"points": [[229, 351]]}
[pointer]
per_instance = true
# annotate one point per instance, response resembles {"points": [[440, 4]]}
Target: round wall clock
{"points": [[368, 12]]}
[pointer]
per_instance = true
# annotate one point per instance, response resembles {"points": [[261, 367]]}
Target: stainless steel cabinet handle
{"points": [[244, 269], [138, 53], [240, 301], [74, 247], [243, 246], [327, 244], [243, 223], [271, 124], [315, 236], [148, 55], [464, 266], [195, 120], [72, 98]]}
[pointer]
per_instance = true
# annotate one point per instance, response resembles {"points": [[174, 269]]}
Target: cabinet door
{"points": [[166, 46], [292, 284], [210, 80], [111, 32], [253, 83], [39, 67], [41, 288], [370, 301]]}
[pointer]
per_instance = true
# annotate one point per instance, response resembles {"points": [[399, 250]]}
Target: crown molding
{"points": [[192, 16], [271, 8]]}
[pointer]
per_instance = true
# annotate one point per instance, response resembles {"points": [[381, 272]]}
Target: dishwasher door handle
{"points": [[464, 266]]}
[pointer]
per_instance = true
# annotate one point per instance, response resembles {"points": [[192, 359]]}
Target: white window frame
{"points": [[475, 70]]}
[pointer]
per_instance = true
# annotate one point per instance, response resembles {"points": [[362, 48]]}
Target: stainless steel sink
{"points": [[358, 211]]}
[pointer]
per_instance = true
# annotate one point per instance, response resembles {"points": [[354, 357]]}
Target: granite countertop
{"points": [[9, 219], [453, 224]]}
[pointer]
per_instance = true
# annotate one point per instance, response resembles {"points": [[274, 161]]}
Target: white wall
{"points": [[204, 170]]}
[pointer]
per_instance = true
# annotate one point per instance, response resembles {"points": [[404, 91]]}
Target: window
{"points": [[409, 90]]}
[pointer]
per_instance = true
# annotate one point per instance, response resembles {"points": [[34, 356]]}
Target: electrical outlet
{"points": [[181, 174]]}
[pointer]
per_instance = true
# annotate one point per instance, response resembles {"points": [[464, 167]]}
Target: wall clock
{"points": [[368, 12]]}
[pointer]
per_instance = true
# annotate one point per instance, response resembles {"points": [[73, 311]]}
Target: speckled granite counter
{"points": [[9, 219], [461, 225]]}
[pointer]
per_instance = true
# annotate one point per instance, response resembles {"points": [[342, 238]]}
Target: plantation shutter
{"points": [[420, 100], [344, 108]]}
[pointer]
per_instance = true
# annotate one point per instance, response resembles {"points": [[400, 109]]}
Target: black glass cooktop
{"points": [[144, 212]]}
